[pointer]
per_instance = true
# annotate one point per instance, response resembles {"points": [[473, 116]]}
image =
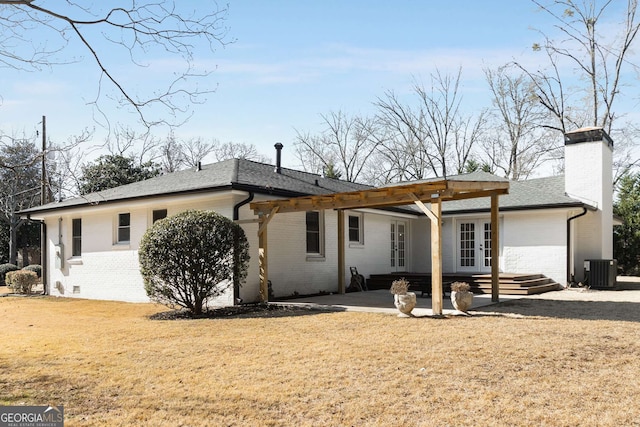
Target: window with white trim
{"points": [[124, 228], [355, 229], [76, 237], [315, 233]]}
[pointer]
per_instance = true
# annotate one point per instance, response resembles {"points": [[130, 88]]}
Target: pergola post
{"points": [[262, 260], [262, 253], [341, 252], [436, 257], [495, 252]]}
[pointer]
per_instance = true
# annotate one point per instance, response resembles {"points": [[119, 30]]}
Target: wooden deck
{"points": [[509, 283]]}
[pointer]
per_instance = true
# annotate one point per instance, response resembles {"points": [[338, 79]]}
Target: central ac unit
{"points": [[600, 273]]}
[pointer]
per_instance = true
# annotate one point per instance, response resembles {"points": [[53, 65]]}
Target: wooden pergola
{"points": [[433, 192]]}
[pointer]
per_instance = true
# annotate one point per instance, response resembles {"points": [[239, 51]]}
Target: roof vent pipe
{"points": [[198, 166], [278, 157]]}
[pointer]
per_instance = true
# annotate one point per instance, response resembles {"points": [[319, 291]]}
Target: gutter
{"points": [[570, 277]]}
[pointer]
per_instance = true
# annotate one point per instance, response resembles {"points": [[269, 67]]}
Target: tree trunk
{"points": [[13, 241]]}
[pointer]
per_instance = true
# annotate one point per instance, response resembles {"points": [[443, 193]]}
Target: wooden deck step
{"points": [[529, 290], [508, 276], [509, 283], [530, 282]]}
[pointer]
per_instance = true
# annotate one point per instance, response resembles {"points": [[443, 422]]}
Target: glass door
{"points": [[474, 246], [398, 248]]}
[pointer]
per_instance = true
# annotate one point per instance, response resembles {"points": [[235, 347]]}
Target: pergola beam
{"points": [[387, 196], [435, 191]]}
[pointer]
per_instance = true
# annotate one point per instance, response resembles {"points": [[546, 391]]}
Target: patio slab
{"points": [[381, 301]]}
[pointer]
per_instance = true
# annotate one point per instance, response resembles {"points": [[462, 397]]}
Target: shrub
{"points": [[460, 287], [399, 286], [22, 281], [192, 257], [4, 269], [36, 268]]}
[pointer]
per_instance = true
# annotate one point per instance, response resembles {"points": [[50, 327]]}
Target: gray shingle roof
{"points": [[261, 178], [225, 175], [530, 194]]}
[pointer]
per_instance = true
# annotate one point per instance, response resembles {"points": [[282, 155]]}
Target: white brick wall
{"points": [[530, 242], [108, 270], [588, 176], [535, 242]]}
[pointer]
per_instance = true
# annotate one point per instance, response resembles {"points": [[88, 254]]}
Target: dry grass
{"points": [[110, 365]]}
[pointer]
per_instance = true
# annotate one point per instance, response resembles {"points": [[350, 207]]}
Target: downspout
{"points": [[236, 208], [570, 277], [236, 216]]}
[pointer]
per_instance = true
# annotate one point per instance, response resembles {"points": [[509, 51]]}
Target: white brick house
{"points": [[548, 226]]}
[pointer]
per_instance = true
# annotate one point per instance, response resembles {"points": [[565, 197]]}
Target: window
{"points": [[356, 233], [314, 233], [159, 214], [124, 227], [76, 237]]}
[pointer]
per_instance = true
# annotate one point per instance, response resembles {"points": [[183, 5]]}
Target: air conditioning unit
{"points": [[600, 273]]}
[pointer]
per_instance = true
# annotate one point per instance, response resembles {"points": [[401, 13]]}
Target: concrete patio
{"points": [[381, 301]]}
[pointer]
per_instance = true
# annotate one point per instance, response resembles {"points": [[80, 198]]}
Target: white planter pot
{"points": [[462, 301], [405, 302]]}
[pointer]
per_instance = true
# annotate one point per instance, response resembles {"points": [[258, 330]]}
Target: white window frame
{"points": [[119, 227], [320, 254], [76, 239], [360, 240]]}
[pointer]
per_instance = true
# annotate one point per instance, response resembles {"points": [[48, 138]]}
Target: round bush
{"points": [[22, 281], [192, 257], [4, 269], [36, 268]]}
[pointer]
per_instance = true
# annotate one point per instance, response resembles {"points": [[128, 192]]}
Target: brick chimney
{"points": [[589, 177]]}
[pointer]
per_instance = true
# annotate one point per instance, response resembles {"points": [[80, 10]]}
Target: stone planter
{"points": [[405, 303], [462, 300]]}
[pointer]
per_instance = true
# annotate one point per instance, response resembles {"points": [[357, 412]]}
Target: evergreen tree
{"points": [[626, 237], [113, 170]]}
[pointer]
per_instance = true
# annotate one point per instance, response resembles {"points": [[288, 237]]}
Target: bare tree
{"points": [[34, 35], [587, 62], [19, 185], [596, 57], [126, 142], [343, 148], [171, 156], [517, 144], [238, 150], [64, 167], [194, 150], [432, 138]]}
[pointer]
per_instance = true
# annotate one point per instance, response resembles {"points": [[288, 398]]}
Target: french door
{"points": [[398, 249], [474, 246]]}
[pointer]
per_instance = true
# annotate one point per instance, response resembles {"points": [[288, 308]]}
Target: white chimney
{"points": [[588, 177]]}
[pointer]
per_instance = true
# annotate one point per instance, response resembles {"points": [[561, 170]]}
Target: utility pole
{"points": [[44, 200], [43, 179]]}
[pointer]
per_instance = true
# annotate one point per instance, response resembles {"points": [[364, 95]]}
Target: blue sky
{"points": [[294, 60]]}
